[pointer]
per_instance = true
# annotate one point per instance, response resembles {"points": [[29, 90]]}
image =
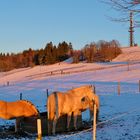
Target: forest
{"points": [[102, 51]]}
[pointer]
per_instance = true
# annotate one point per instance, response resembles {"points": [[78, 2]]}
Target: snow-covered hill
{"points": [[128, 54], [119, 115]]}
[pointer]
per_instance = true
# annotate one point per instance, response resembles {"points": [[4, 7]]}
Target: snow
{"points": [[69, 61], [131, 53], [119, 115]]}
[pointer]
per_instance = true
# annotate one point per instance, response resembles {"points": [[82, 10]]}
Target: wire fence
{"points": [[115, 88], [103, 88], [81, 133]]}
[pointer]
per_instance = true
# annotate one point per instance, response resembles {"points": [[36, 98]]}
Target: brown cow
{"points": [[20, 108], [73, 101], [97, 102], [88, 90]]}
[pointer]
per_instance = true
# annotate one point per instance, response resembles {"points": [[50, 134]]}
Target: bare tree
{"points": [[125, 7], [129, 12]]}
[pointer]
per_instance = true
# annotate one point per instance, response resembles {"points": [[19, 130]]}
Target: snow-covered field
{"points": [[119, 115]]}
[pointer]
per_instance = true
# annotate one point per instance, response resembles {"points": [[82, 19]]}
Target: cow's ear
{"points": [[83, 99]]}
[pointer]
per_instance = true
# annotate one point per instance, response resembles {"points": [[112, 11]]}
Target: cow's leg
{"points": [[97, 115], [76, 114], [54, 125], [48, 126], [56, 113], [17, 125], [68, 120], [91, 115]]}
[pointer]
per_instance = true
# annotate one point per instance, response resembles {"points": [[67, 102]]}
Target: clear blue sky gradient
{"points": [[33, 23]]}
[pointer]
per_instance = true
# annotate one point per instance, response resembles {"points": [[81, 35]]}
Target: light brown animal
{"points": [[97, 102], [87, 90], [20, 108], [73, 101]]}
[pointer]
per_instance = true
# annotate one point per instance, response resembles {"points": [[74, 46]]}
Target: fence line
{"points": [[116, 88], [103, 122], [116, 117], [63, 71]]}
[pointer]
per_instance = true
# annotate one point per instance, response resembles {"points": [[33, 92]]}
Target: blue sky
{"points": [[33, 23]]}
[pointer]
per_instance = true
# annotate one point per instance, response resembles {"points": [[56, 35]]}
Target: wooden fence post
{"points": [[128, 66], [16, 125], [47, 91], [118, 88], [8, 83], [39, 129], [94, 123], [61, 71], [139, 85], [20, 96], [94, 90]]}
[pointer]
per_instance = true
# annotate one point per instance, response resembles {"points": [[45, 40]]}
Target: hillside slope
{"points": [[128, 54], [119, 115], [38, 72]]}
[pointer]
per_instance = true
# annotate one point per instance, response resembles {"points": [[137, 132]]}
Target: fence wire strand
{"points": [[103, 122]]}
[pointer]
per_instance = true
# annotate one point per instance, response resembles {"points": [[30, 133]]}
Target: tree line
{"points": [[29, 58], [102, 51], [93, 52]]}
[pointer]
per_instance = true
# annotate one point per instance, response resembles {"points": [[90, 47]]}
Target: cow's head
{"points": [[85, 101], [95, 100]]}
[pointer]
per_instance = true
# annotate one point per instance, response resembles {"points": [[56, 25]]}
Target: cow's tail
{"points": [[56, 104], [51, 108], [55, 113]]}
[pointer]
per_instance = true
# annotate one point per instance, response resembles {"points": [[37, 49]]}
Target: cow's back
{"points": [[62, 103], [66, 102], [85, 90]]}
